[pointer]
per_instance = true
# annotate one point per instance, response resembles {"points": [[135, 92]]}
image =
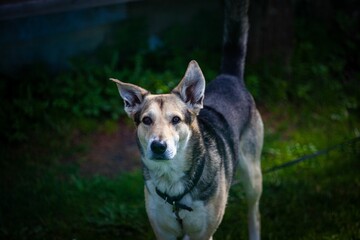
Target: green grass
{"points": [[315, 199], [45, 198], [54, 203]]}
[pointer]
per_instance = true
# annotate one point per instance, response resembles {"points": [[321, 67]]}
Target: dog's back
{"points": [[230, 112], [227, 94], [228, 106]]}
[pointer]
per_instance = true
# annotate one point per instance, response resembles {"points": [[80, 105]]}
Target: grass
{"points": [[315, 199], [41, 205], [44, 198]]}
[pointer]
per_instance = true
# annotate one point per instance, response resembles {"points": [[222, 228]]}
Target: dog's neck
{"points": [[168, 177]]}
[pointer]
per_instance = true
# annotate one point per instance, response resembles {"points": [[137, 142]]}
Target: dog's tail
{"points": [[236, 26]]}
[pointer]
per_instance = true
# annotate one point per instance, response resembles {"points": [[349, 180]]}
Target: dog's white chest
{"points": [[163, 217]]}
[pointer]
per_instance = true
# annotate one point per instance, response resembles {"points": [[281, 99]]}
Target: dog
{"points": [[193, 139]]}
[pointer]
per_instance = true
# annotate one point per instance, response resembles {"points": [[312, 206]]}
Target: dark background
{"points": [[69, 165]]}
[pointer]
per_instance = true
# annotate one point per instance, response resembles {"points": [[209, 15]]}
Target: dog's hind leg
{"points": [[250, 171]]}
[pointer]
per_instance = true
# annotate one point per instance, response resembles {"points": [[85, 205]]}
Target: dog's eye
{"points": [[147, 120], [175, 120]]}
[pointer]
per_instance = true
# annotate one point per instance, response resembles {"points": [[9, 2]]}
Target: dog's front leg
{"points": [[161, 234], [161, 218]]}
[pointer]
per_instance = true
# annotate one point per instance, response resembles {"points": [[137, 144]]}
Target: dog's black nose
{"points": [[158, 147]]}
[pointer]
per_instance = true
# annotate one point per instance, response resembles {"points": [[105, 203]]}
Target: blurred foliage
{"points": [[323, 72], [40, 100]]}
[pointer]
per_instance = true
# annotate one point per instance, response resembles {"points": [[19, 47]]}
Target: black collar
{"points": [[175, 201]]}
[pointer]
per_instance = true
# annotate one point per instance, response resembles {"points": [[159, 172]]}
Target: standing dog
{"points": [[193, 139]]}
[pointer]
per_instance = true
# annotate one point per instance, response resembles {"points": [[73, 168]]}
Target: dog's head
{"points": [[165, 121]]}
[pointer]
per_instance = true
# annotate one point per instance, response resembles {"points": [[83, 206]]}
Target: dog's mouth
{"points": [[159, 157]]}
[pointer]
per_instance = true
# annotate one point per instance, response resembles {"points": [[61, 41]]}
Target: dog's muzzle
{"points": [[158, 149]]}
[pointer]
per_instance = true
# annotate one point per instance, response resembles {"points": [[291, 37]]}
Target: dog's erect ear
{"points": [[192, 87], [132, 95]]}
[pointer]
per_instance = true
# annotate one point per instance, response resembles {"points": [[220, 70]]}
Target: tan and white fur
{"points": [[193, 139]]}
